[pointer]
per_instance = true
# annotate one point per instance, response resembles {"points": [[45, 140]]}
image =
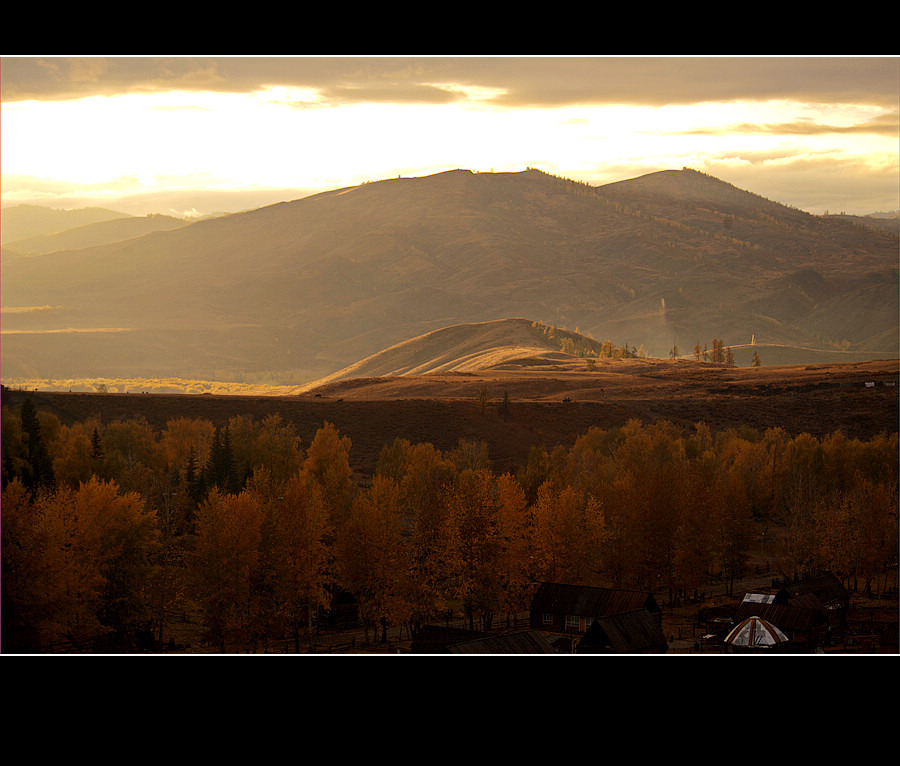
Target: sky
{"points": [[199, 135]]}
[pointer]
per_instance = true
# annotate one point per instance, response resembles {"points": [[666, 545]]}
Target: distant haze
{"points": [[193, 136], [295, 291]]}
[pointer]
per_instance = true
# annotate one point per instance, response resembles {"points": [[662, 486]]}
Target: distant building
{"points": [[522, 642], [806, 629], [755, 634], [560, 608], [633, 632], [825, 593]]}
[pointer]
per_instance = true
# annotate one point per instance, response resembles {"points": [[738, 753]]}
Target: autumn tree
{"points": [[515, 562], [76, 563], [295, 554], [569, 531], [51, 586], [371, 556], [225, 567], [73, 463], [328, 463], [473, 545], [471, 455], [424, 473]]}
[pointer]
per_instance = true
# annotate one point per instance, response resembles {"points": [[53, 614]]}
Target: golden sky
{"points": [[185, 134]]}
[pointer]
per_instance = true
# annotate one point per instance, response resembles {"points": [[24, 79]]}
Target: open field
{"points": [[441, 409]]}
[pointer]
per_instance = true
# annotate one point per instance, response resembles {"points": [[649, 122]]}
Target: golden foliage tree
{"points": [[295, 556], [225, 566], [328, 463], [569, 534], [473, 544], [371, 557], [78, 563]]}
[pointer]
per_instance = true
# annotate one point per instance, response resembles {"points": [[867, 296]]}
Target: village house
{"points": [[825, 593], [523, 642], [560, 608], [805, 628], [632, 632]]}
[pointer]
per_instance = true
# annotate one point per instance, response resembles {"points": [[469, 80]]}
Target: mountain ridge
{"points": [[304, 288]]}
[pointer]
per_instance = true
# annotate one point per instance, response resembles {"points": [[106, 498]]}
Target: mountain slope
{"points": [[21, 221], [92, 234], [298, 290]]}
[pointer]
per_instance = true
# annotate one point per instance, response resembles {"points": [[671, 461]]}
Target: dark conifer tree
{"points": [[96, 446], [39, 470], [220, 467]]}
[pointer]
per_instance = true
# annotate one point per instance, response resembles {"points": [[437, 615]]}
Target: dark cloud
{"points": [[520, 81]]}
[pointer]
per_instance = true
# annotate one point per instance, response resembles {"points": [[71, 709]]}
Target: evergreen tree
{"points": [[220, 468], [39, 470], [193, 482], [96, 446]]}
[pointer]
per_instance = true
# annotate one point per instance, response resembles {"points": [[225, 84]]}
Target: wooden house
{"points": [[560, 608], [633, 632], [437, 639], [825, 593], [522, 642]]}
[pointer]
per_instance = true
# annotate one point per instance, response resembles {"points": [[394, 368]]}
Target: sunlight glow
{"points": [[290, 138]]}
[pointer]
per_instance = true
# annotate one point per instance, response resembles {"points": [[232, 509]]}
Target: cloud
{"points": [[511, 81], [883, 125]]}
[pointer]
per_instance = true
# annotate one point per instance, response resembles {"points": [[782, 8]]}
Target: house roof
{"points": [[824, 592], [757, 632], [625, 632], [585, 601], [435, 639], [787, 617], [523, 642]]}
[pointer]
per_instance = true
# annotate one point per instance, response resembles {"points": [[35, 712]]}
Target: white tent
{"points": [[755, 632]]}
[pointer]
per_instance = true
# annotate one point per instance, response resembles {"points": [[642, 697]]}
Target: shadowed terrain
{"points": [[294, 292], [545, 407]]}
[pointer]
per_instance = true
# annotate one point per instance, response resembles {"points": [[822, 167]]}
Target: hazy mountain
{"points": [[23, 221], [92, 234], [889, 222], [298, 290]]}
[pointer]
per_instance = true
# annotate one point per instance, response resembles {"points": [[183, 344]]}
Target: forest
{"points": [[110, 528]]}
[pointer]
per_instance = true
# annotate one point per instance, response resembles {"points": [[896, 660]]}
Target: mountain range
{"points": [[297, 291]]}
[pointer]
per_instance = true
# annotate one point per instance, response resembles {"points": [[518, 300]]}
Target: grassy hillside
{"points": [[303, 289]]}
